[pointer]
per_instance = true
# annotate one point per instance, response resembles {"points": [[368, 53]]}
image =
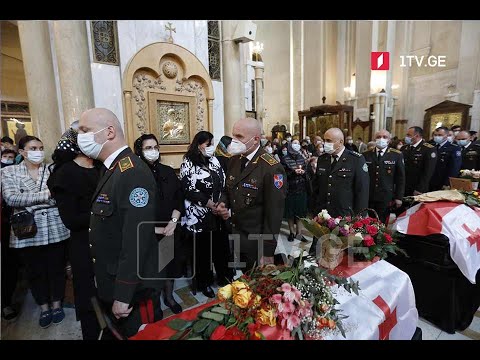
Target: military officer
{"points": [[420, 159], [449, 160], [387, 175], [255, 193], [124, 248], [341, 179], [470, 151]]}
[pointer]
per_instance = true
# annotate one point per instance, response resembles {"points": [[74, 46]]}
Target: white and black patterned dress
{"points": [[200, 183]]}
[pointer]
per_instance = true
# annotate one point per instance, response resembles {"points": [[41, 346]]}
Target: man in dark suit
{"points": [[470, 151], [420, 160], [341, 179], [350, 145], [387, 175], [122, 207], [449, 160], [255, 193]]}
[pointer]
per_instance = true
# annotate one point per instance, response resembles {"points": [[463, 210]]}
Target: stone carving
{"points": [[104, 42], [193, 86], [170, 69], [142, 82]]}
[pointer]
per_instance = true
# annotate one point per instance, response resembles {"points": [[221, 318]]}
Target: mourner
{"points": [[470, 151]]}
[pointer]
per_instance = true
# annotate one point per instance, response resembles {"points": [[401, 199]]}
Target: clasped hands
{"points": [[219, 209]]}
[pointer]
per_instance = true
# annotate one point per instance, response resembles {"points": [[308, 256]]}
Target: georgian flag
{"points": [[459, 222]]}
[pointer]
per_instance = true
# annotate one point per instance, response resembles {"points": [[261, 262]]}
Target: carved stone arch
{"points": [[168, 92]]}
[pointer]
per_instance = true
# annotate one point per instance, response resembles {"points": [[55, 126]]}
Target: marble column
{"points": [[233, 91], [475, 123], [40, 80], [71, 47], [363, 46], [382, 123], [259, 91]]}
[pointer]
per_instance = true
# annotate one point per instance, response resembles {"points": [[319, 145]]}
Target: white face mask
{"points": [[237, 147], [455, 133], [209, 151], [35, 157], [329, 148], [284, 152], [438, 139], [399, 146], [381, 143], [7, 161], [350, 141], [296, 147], [289, 139], [269, 149], [88, 145], [450, 138], [151, 155]]}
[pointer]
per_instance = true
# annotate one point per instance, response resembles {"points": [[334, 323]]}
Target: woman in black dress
{"points": [[72, 182], [169, 210]]}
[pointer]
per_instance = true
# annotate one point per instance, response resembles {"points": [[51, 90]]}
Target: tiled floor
{"points": [[26, 326]]}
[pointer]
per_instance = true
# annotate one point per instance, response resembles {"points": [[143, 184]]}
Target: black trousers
{"points": [[83, 283], [10, 266], [221, 254], [382, 209], [46, 271], [203, 259]]}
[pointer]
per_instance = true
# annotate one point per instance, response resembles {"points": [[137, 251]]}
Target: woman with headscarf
{"points": [[296, 201], [73, 180], [221, 152]]}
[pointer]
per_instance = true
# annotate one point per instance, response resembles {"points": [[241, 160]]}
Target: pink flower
{"points": [[368, 241], [276, 299], [372, 230], [331, 223], [388, 238], [289, 292], [366, 221], [358, 225], [290, 322]]}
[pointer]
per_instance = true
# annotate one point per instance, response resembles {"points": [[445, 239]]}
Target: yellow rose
{"points": [[242, 298], [257, 301], [266, 317], [238, 285], [225, 292]]}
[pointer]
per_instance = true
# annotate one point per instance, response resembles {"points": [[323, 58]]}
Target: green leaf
{"points": [[231, 321], [195, 338], [340, 327], [213, 316], [220, 310], [201, 325], [179, 324], [210, 329], [286, 275]]}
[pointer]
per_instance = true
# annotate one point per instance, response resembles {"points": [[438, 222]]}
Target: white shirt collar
{"points": [[416, 144], [443, 143], [108, 161], [252, 154], [466, 146], [340, 153], [381, 151]]}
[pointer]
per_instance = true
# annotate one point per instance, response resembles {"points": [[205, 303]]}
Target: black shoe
{"points": [[291, 237], [302, 238], [208, 292], [174, 306], [9, 314]]}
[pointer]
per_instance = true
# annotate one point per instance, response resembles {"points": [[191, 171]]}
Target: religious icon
{"points": [[174, 123]]}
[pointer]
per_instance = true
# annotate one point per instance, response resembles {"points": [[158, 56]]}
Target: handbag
{"points": [[23, 222]]}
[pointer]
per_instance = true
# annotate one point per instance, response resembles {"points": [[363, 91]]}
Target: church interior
{"points": [[174, 78]]}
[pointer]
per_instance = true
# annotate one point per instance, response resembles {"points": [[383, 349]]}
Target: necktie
{"points": [[243, 163], [334, 162], [379, 155]]}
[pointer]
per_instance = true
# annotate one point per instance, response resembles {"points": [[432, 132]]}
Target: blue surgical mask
{"points": [[450, 138], [462, 142], [438, 139], [284, 152], [381, 143], [408, 140]]}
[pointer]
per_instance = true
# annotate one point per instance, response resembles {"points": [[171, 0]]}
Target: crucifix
{"points": [[170, 28]]}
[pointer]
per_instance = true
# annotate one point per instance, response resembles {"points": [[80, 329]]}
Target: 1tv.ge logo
{"points": [[380, 60]]}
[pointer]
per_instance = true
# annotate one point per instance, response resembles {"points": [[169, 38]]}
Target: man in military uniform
{"points": [[255, 193], [470, 151], [387, 175], [124, 249], [420, 160], [341, 179], [449, 160]]}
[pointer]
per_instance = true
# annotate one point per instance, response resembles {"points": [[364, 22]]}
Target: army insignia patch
{"points": [[125, 164], [459, 153], [231, 178], [269, 159], [139, 197], [278, 180], [365, 167], [433, 155]]}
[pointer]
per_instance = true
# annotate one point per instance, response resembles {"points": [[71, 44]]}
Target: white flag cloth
{"points": [[385, 307], [459, 222]]}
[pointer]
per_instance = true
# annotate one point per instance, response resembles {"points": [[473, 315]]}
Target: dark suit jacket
{"points": [[342, 190], [420, 164]]}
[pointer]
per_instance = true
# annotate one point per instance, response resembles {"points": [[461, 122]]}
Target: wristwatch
{"points": [[174, 219]]}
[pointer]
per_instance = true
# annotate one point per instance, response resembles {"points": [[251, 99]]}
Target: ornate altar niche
{"points": [[362, 129], [168, 92], [318, 119], [279, 131], [447, 113]]}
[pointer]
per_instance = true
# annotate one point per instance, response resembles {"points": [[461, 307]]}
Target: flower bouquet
{"points": [[272, 302], [472, 175]]}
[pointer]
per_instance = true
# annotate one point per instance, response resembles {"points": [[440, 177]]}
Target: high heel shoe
{"points": [[208, 292], [175, 307]]}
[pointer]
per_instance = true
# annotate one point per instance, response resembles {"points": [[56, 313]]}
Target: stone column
{"points": [[259, 91], [475, 123], [382, 123], [233, 91], [71, 46], [363, 46], [40, 80]]}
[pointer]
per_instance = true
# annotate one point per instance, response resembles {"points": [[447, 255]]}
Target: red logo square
{"points": [[380, 60]]}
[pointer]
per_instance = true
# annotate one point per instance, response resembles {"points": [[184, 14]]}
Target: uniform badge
{"points": [[103, 199], [231, 177], [278, 180], [125, 164], [248, 200], [459, 153], [365, 167], [139, 197], [433, 155], [389, 171]]}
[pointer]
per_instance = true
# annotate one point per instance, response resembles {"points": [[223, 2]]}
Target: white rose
{"points": [[346, 227], [358, 236], [324, 214], [337, 221]]}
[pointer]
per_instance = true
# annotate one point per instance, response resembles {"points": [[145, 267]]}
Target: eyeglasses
{"points": [[156, 147]]}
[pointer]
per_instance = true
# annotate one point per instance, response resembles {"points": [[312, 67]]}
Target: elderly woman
{"points": [[73, 180], [203, 181], [24, 188]]}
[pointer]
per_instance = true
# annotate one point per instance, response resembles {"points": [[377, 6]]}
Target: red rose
{"points": [[388, 238], [372, 230], [358, 225], [234, 333], [368, 241], [219, 333], [366, 221]]}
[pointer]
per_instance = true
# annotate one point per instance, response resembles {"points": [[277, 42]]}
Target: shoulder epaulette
{"points": [[269, 159], [355, 153], [394, 150], [426, 144], [125, 164], [456, 145]]}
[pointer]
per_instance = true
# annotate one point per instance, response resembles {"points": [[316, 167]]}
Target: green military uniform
{"points": [[420, 162], [125, 197], [343, 189], [387, 179], [256, 197]]}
